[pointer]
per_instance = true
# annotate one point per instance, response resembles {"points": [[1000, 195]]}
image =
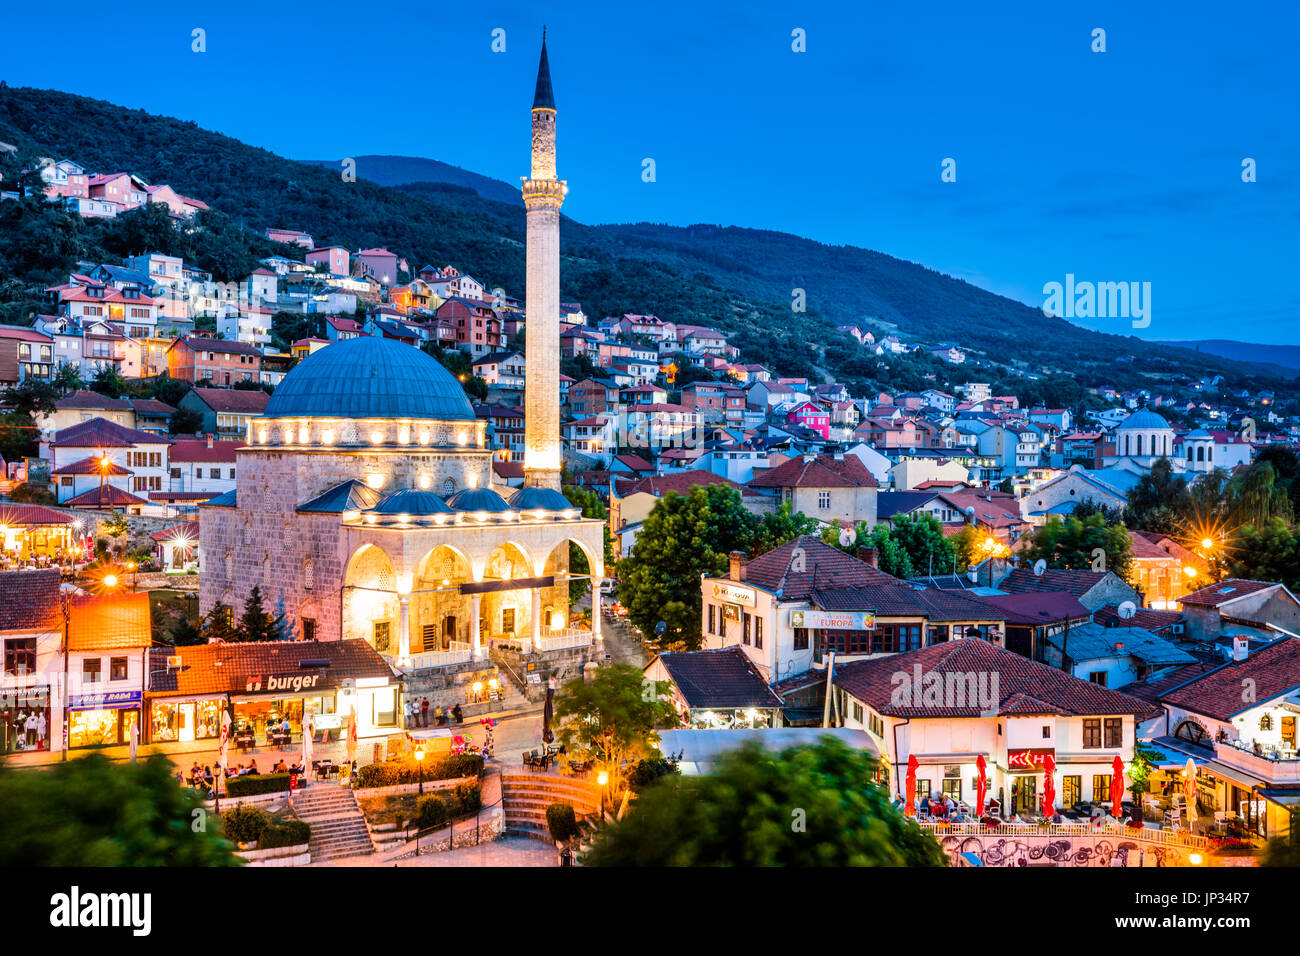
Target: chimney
{"points": [[870, 556], [1119, 645], [210, 440], [1240, 648], [736, 572]]}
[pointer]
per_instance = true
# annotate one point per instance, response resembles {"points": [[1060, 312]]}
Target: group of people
{"points": [[417, 713]]}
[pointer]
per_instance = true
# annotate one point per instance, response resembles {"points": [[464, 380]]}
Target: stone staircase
{"points": [[338, 828], [525, 797]]}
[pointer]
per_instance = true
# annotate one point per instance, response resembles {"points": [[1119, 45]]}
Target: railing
{"points": [[558, 640], [457, 653], [1270, 765], [1147, 834]]}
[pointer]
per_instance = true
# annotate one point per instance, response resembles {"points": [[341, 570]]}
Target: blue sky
{"points": [[1115, 166]]}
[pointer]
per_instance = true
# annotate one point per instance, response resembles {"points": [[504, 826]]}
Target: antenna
{"points": [[1039, 567]]}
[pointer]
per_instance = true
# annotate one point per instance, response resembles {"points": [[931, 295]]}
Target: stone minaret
{"points": [[543, 196]]}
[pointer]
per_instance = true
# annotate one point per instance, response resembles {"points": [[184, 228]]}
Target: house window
{"points": [[744, 630], [382, 634], [117, 668], [857, 711], [1071, 790], [952, 787], [1114, 732], [1101, 788], [801, 638], [758, 632], [90, 670], [1092, 733], [1098, 678], [20, 656], [823, 500], [308, 576], [309, 629], [711, 620]]}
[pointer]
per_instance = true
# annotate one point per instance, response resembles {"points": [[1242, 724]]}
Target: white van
{"points": [[608, 586]]}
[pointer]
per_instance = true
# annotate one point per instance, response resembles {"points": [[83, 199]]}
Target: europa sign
{"points": [[736, 595], [293, 684], [835, 620], [1030, 761]]}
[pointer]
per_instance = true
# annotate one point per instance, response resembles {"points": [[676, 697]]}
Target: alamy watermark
{"points": [[944, 690], [1098, 300]]}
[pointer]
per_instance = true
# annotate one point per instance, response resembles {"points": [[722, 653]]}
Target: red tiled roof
{"points": [[1024, 687], [92, 466], [817, 566], [196, 449], [186, 529], [1035, 608], [681, 482], [202, 344], [635, 462], [1225, 591], [84, 398], [109, 621], [101, 433], [1270, 671], [28, 515], [508, 469], [231, 668], [237, 400], [1145, 618], [1078, 583], [824, 471], [31, 601], [104, 496], [718, 678]]}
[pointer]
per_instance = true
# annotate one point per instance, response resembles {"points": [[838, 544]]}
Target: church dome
{"points": [[369, 377], [540, 499], [411, 501], [478, 499], [1144, 418]]}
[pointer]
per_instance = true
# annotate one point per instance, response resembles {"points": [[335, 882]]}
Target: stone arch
{"points": [[506, 613], [1193, 731], [370, 605], [569, 556], [440, 614]]}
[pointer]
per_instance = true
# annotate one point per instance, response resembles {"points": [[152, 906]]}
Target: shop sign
{"points": [[1030, 760], [109, 700], [731, 612], [293, 684], [734, 593], [835, 620]]}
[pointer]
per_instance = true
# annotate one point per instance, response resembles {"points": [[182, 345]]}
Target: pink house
{"points": [[291, 236], [335, 259], [66, 178], [123, 188], [379, 263], [813, 417]]}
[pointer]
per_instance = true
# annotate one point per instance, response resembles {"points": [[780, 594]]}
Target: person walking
{"points": [[408, 710], [424, 713]]}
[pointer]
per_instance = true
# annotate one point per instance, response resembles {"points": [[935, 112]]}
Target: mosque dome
{"points": [[411, 501], [477, 499], [540, 499], [1144, 418], [369, 377]]}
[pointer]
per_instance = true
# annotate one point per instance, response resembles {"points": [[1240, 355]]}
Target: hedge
{"points": [[390, 773], [250, 784], [436, 809], [288, 833], [562, 822], [243, 824]]}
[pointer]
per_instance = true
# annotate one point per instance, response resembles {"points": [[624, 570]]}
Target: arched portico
{"points": [[371, 609]]}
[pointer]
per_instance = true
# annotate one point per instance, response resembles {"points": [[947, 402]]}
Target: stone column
{"points": [[476, 645], [404, 631], [537, 615], [596, 634]]}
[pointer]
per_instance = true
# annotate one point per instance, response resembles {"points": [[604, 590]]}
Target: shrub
{"points": [[287, 833], [430, 812], [463, 799], [390, 773], [562, 822], [257, 783], [649, 769], [243, 824]]}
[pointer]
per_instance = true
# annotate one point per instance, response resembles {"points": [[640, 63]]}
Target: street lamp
{"points": [[110, 580], [419, 763], [602, 778]]}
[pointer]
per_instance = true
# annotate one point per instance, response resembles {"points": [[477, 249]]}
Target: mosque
{"points": [[365, 507]]}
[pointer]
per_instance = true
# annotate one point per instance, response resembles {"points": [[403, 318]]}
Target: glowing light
{"points": [[478, 687], [424, 436], [1195, 859], [375, 480], [602, 778], [327, 437], [1189, 571], [404, 582], [404, 435], [557, 620], [110, 580], [425, 482], [376, 437], [261, 436], [1207, 543], [473, 481]]}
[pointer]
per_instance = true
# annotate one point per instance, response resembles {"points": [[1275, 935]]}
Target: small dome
{"points": [[477, 499], [411, 501], [1143, 418], [539, 499], [369, 377]]}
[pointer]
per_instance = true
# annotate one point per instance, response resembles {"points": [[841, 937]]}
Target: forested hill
{"points": [[739, 280]]}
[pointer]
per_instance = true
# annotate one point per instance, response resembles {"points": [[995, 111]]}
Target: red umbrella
{"points": [[982, 785], [910, 808], [1116, 787], [1049, 786]]}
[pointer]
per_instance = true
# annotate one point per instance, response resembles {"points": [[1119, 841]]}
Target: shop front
{"points": [[272, 691], [102, 720], [24, 719]]}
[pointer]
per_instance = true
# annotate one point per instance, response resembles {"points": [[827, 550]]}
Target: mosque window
{"points": [[449, 486], [266, 570], [385, 579], [230, 567], [308, 575]]}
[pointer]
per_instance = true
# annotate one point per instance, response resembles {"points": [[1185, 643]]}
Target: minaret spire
{"points": [[543, 193]]}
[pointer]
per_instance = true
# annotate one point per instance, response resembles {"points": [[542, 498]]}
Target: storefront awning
{"points": [[265, 668]]}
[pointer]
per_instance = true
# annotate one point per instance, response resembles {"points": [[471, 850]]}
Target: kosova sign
{"points": [[734, 594], [835, 620]]}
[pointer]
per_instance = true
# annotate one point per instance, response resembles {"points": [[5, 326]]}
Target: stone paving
{"points": [[508, 851]]}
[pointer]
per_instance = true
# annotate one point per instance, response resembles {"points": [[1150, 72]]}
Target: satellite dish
{"points": [[660, 629], [1127, 611], [1039, 567], [847, 537]]}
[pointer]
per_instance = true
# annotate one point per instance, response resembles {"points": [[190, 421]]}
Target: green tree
{"points": [[109, 381], [807, 806], [1160, 501], [185, 632], [1269, 552], [777, 527], [611, 719], [219, 624], [185, 421], [31, 397], [94, 812], [256, 624], [115, 525], [1070, 544], [923, 540]]}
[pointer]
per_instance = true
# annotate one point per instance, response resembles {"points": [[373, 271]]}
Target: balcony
{"points": [[1276, 766]]}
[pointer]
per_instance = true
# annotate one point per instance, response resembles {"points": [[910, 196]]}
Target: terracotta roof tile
{"points": [[31, 600], [718, 678]]}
